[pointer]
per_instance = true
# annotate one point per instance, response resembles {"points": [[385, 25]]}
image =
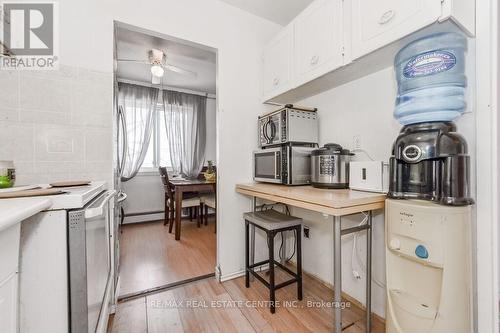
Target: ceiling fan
{"points": [[158, 62]]}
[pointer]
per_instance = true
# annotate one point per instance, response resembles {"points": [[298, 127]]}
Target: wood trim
{"points": [[313, 206]]}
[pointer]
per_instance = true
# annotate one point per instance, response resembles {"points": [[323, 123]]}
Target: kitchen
{"points": [[355, 100]]}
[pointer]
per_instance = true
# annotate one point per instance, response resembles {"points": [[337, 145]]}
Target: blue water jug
{"points": [[431, 79]]}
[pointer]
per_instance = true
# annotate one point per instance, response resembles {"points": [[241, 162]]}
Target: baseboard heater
{"points": [[144, 213], [150, 213]]}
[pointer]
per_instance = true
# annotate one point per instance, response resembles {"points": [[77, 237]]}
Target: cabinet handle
{"points": [[276, 81], [386, 17], [314, 60]]}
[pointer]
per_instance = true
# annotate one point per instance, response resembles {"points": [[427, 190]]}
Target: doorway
{"points": [[165, 136]]}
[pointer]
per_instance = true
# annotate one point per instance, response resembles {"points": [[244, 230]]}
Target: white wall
{"points": [[86, 43], [211, 142], [487, 29]]}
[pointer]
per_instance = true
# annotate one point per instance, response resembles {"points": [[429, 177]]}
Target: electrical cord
{"points": [[265, 207], [363, 151], [358, 258], [294, 247]]}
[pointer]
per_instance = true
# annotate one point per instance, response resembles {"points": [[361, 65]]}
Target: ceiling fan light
{"points": [[157, 70]]}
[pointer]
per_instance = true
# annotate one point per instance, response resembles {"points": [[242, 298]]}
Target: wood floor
{"points": [[198, 307], [151, 257]]}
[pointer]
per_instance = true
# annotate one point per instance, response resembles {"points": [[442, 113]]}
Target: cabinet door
{"points": [[277, 64], [379, 23], [318, 40], [8, 305]]}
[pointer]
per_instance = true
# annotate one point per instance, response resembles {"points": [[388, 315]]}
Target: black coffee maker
{"points": [[430, 162]]}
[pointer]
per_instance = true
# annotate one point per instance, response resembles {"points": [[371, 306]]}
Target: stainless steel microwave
{"points": [[288, 125], [286, 164]]}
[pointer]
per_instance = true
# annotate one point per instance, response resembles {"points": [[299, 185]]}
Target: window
{"points": [[158, 151]]}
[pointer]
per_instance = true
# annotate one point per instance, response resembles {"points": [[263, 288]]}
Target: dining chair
{"points": [[208, 201], [192, 202]]}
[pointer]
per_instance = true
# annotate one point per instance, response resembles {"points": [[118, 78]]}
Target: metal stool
{"points": [[273, 222]]}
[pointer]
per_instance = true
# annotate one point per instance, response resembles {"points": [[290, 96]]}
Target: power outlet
{"points": [[306, 231], [356, 142]]}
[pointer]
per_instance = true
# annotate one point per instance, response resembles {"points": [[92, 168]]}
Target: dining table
{"points": [[183, 185]]}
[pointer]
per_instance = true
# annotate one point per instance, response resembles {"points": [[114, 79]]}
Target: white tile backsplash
{"points": [[98, 144], [9, 90], [57, 125], [59, 143], [53, 168], [44, 117], [9, 114], [17, 141], [86, 111], [53, 95]]}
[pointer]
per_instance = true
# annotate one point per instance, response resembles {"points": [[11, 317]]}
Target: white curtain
{"points": [[138, 105], [185, 123]]}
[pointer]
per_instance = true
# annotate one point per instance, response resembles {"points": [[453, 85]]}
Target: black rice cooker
{"points": [[330, 166]]}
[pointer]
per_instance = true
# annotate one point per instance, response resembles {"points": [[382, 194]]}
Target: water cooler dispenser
{"points": [[428, 213], [428, 267]]}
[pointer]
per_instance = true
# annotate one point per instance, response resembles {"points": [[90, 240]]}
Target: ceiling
{"points": [[278, 11], [136, 45]]}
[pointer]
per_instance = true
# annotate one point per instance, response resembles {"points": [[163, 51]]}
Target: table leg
{"points": [[369, 272], [337, 272], [252, 247], [252, 238], [178, 213]]}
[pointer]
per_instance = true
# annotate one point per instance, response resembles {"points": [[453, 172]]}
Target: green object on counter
{"points": [[5, 182]]}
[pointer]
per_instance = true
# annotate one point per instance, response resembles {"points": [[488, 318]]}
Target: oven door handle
{"points": [[273, 131], [264, 131], [268, 137], [122, 196], [277, 164], [266, 126], [92, 212]]}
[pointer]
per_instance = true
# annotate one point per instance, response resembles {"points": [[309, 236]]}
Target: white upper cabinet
{"points": [[330, 34], [278, 64], [375, 24], [318, 40]]}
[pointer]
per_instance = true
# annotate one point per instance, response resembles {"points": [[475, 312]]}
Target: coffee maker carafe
{"points": [[430, 162]]}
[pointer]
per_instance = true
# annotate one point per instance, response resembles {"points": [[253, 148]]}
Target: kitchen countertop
{"points": [[15, 210], [328, 201]]}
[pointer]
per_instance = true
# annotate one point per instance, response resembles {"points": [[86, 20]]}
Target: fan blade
{"points": [[145, 62], [180, 70]]}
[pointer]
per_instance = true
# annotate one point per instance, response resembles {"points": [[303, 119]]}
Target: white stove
{"points": [[76, 196], [66, 262]]}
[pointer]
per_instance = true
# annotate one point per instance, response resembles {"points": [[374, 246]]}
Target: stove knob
{"points": [[395, 244]]}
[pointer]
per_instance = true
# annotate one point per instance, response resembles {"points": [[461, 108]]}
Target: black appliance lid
{"points": [[331, 149]]}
